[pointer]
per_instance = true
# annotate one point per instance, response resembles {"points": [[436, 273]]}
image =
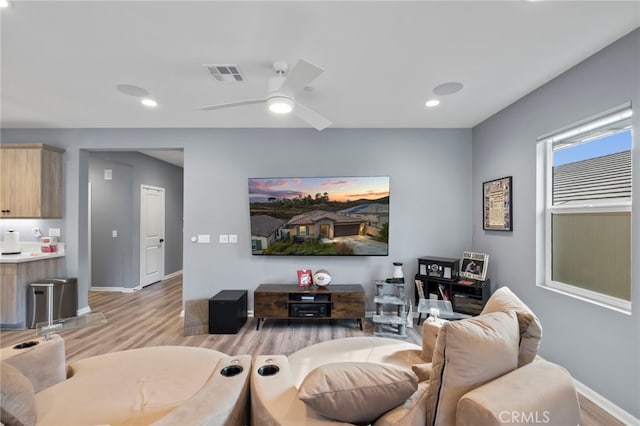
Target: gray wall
{"points": [[430, 173], [116, 206], [429, 178], [112, 259], [599, 346]]}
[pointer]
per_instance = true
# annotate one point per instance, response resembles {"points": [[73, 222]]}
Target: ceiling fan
{"points": [[282, 89]]}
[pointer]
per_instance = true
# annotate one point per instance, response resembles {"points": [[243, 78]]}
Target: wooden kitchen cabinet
{"points": [[30, 181]]}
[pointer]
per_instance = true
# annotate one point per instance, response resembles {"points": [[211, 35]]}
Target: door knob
{"points": [[162, 240]]}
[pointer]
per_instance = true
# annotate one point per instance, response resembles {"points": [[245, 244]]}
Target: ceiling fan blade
{"points": [[311, 117], [300, 76], [233, 104]]}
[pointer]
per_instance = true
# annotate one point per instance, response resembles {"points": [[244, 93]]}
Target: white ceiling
{"points": [[173, 156], [61, 61]]}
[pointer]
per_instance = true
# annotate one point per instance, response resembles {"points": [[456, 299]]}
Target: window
{"points": [[584, 198]]}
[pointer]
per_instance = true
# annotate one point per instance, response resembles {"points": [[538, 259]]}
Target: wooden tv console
{"points": [[289, 301]]}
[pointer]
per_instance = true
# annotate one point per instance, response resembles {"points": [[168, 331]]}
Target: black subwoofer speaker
{"points": [[227, 311]]}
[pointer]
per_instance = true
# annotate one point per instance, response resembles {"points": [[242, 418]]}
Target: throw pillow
{"points": [[356, 392], [468, 354], [503, 300], [18, 402]]}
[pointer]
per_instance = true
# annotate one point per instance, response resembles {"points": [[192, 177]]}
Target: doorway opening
{"points": [[135, 219]]}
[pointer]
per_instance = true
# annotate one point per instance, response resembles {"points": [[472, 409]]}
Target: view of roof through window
{"points": [[593, 170]]}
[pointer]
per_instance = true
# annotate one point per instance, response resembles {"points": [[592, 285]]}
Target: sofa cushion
{"points": [[469, 353], [356, 392], [503, 300], [430, 329], [411, 412], [423, 371], [538, 393], [18, 403], [137, 386]]}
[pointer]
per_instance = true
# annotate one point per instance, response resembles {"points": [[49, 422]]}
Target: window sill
{"points": [[626, 310]]}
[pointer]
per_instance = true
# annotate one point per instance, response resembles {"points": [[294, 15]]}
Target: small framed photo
{"points": [[497, 213], [474, 265]]}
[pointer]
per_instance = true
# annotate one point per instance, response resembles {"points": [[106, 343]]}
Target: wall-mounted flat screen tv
{"points": [[320, 216]]}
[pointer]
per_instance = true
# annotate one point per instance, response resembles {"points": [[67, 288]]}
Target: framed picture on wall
{"points": [[497, 204]]}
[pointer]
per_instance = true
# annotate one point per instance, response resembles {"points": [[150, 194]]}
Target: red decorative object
{"points": [[305, 278]]}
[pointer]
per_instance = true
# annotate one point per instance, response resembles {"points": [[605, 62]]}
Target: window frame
{"points": [[544, 160]]}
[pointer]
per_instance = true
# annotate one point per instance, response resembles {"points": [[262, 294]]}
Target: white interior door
{"points": [[151, 234]]}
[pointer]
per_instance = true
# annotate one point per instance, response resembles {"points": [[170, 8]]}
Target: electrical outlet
{"points": [[233, 238], [54, 232], [204, 239], [223, 238]]}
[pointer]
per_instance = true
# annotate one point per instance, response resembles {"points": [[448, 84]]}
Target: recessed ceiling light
{"points": [[149, 102], [432, 102], [5, 3]]}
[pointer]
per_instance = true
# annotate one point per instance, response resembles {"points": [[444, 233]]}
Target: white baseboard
{"points": [[118, 289], [83, 311], [606, 405], [173, 274]]}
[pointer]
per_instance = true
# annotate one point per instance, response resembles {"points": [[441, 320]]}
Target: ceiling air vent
{"points": [[229, 73]]}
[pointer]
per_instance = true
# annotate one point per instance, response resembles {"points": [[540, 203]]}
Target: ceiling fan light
{"points": [[280, 104]]}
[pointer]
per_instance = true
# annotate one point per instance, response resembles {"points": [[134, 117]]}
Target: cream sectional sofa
{"points": [[167, 385], [479, 371]]}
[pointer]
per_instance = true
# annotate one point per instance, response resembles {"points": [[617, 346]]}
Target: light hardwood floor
{"points": [[151, 317]]}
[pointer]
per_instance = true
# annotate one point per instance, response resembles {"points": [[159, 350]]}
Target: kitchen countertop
{"points": [[31, 252]]}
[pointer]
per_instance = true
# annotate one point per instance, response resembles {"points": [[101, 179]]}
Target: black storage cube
{"points": [[227, 311]]}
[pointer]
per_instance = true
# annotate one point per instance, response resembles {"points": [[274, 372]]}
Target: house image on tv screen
{"points": [[265, 230], [375, 215], [340, 216], [322, 224]]}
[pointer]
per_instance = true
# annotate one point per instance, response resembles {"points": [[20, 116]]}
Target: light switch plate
{"points": [[204, 239], [114, 233], [54, 232], [233, 238], [108, 174]]}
